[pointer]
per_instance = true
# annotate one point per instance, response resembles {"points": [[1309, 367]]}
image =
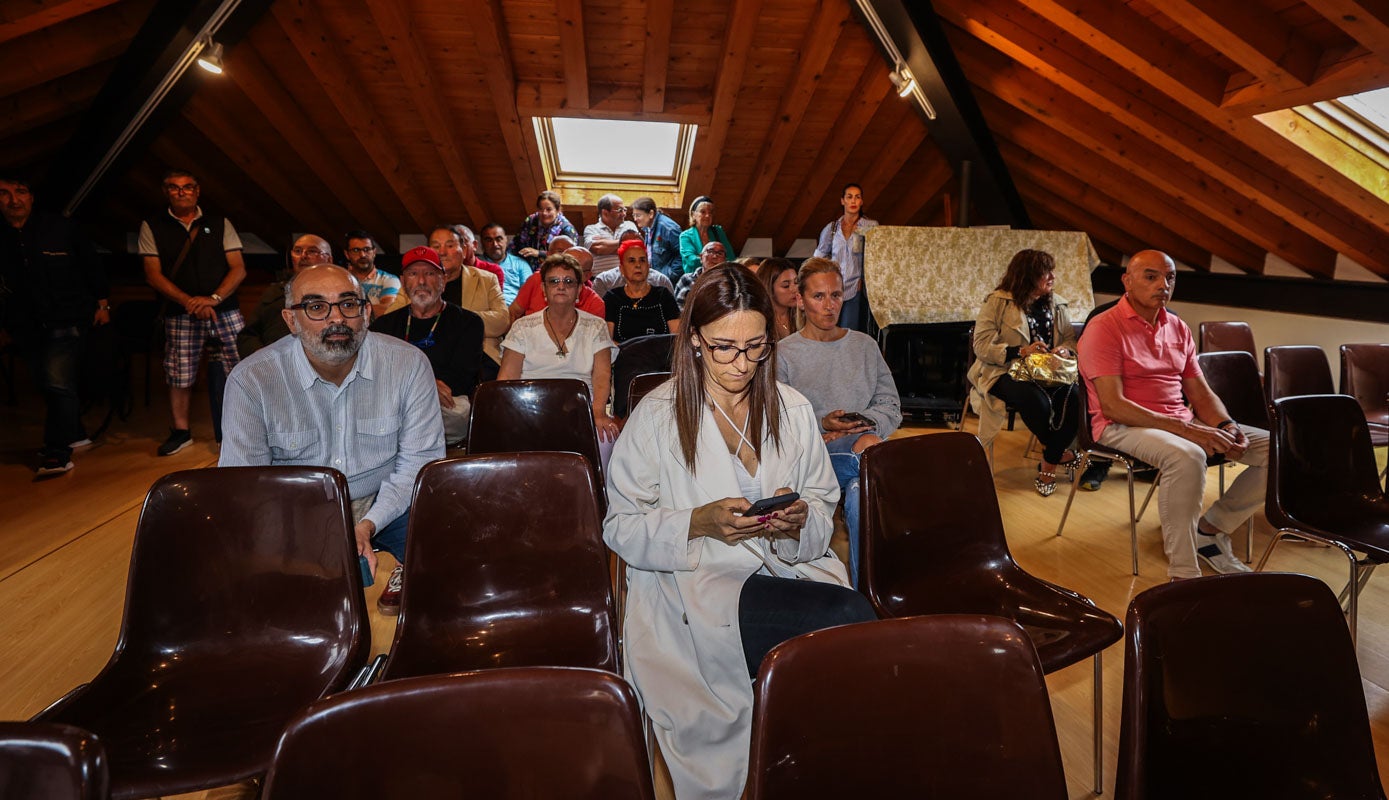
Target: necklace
{"points": [[637, 300], [562, 351], [428, 340]]}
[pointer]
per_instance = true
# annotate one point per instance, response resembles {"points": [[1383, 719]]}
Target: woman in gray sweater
{"points": [[845, 378]]}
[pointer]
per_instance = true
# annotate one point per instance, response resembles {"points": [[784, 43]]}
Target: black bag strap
{"points": [[178, 264]]}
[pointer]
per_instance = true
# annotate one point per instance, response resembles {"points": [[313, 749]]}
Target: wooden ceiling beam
{"points": [[494, 50], [739, 33], [1152, 232], [1365, 21], [35, 16], [570, 14], [923, 187], [1164, 168], [1236, 149], [51, 53], [302, 22], [1359, 72], [1048, 220], [817, 45], [67, 96], [408, 52], [263, 89], [1105, 92], [1251, 36], [212, 119], [1034, 142], [903, 142], [660, 16], [612, 101], [853, 120]]}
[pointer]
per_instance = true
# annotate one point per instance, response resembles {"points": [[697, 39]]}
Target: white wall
{"points": [[1272, 328]]}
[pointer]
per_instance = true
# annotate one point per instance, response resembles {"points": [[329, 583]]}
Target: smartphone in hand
{"points": [[769, 504], [856, 418]]}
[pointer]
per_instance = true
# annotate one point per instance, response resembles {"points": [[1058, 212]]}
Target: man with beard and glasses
{"points": [[336, 395], [450, 336]]}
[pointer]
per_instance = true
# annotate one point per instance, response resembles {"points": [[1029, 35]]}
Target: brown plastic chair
{"points": [[642, 385], [1365, 376], [947, 706], [1234, 377], [504, 734], [505, 567], [638, 356], [1293, 370], [244, 604], [525, 416], [933, 543], [1323, 484], [1226, 336], [1243, 686], [39, 761]]}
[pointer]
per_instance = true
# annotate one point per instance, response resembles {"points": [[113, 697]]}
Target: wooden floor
{"points": [[65, 550]]}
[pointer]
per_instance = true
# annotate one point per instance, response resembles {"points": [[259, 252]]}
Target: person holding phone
{"points": [[712, 584], [846, 380]]}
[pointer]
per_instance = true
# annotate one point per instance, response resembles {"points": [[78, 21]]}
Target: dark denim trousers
{"points": [[56, 363]]}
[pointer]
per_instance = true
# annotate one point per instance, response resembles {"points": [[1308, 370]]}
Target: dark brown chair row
{"points": [[42, 761]]}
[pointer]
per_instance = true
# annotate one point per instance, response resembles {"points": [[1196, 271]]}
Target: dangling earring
{"points": [[699, 353]]}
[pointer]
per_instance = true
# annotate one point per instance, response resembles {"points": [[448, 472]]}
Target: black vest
{"points": [[206, 263]]}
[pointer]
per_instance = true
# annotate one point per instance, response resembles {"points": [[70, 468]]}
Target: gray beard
{"points": [[331, 352]]}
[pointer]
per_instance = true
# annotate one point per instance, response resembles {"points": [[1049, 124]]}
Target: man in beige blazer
{"points": [[474, 289]]}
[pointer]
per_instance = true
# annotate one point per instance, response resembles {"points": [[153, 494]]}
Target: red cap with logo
{"points": [[421, 254]]}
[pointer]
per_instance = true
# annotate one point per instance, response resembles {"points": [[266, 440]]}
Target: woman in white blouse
{"points": [[560, 341], [710, 589]]}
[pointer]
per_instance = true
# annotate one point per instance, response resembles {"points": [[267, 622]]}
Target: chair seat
{"points": [[1064, 627], [1362, 526], [210, 718]]}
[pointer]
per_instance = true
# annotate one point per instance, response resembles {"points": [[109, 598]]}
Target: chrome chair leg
{"points": [[1133, 520], [1071, 498], [1148, 496], [1099, 724]]}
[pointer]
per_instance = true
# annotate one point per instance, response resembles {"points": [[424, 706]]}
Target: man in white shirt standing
{"points": [[603, 236]]}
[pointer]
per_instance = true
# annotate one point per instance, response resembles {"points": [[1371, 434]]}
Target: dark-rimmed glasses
{"points": [[727, 353], [318, 310]]}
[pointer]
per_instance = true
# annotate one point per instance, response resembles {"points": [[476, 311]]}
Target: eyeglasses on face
{"points": [[318, 310], [727, 353], [561, 281], [303, 251], [174, 188]]}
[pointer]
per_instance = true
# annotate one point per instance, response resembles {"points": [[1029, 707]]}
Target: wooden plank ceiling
{"points": [[1130, 120]]}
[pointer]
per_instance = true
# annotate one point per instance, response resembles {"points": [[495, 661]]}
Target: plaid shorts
{"points": [[184, 336]]}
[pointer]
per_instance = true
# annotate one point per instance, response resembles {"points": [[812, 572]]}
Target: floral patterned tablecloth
{"points": [[944, 274]]}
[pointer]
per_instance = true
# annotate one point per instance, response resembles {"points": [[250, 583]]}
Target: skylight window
{"points": [[1349, 134], [606, 154]]}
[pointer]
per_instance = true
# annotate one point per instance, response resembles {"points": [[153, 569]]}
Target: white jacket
{"points": [[682, 647]]}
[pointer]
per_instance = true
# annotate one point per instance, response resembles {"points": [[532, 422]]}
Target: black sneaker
{"points": [[178, 439], [53, 465]]}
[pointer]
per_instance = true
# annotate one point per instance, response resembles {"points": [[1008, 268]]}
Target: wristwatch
{"points": [[216, 297]]}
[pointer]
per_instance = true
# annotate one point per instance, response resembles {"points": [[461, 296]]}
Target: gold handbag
{"points": [[1044, 369]]}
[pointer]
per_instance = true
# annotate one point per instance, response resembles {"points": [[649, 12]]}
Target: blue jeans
{"points": [[845, 462], [56, 362], [391, 539]]}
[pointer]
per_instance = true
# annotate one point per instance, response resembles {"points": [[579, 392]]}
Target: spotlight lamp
{"points": [[211, 57]]}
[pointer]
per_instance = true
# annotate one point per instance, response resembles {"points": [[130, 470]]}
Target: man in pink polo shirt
{"points": [[1138, 360]]}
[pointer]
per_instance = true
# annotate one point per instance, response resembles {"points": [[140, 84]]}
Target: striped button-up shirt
{"points": [[378, 428]]}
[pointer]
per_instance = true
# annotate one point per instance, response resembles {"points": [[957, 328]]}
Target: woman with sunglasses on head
{"points": [[713, 584], [848, 383], [560, 341]]}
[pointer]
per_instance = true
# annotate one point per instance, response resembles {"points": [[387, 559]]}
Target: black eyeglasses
{"points": [[318, 310], [173, 188], [727, 353]]}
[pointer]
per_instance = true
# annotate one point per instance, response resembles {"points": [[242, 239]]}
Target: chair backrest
{"points": [[1224, 336], [946, 706], [530, 732], [1365, 376], [1242, 685], [1292, 370], [1234, 377], [930, 519], [642, 385], [524, 416], [505, 568], [247, 559], [635, 357], [1321, 463], [41, 761]]}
